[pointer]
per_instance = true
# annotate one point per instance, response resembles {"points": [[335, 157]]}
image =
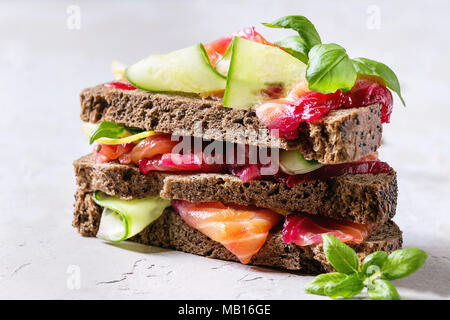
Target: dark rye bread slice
{"points": [[171, 232], [363, 198], [342, 136]]}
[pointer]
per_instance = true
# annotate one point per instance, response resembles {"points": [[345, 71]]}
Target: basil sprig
{"points": [[382, 290], [317, 286], [375, 68], [296, 47], [329, 68], [402, 263], [112, 130], [377, 268], [307, 33], [341, 257]]}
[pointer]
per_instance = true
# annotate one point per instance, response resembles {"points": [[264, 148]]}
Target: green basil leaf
{"points": [[373, 262], [330, 69], [375, 68], [107, 129], [296, 47], [346, 288], [317, 286], [341, 257], [305, 29], [134, 130], [402, 263], [382, 290]]}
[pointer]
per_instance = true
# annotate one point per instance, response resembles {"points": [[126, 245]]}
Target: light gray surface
{"points": [[44, 66]]}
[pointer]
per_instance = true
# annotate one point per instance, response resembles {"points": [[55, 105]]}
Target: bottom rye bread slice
{"points": [[342, 135], [171, 232], [362, 198]]}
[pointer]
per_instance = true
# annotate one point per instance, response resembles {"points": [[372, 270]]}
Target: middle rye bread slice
{"points": [[361, 198]]}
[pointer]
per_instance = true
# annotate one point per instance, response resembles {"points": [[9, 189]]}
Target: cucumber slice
{"points": [[185, 70], [113, 227], [255, 67], [122, 219], [293, 162]]}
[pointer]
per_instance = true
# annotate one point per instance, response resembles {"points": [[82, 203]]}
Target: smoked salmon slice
{"points": [[131, 152], [305, 229], [152, 146], [241, 229]]}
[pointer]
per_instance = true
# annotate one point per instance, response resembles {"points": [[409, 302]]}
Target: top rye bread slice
{"points": [[362, 198], [343, 135]]}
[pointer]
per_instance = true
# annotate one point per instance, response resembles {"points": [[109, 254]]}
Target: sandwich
{"points": [[242, 149]]}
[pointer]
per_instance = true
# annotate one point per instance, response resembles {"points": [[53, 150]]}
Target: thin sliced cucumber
{"points": [[122, 219], [255, 67], [113, 226], [293, 162], [185, 70]]}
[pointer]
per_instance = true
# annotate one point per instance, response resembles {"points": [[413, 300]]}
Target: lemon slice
{"points": [[131, 138], [118, 69], [90, 128]]}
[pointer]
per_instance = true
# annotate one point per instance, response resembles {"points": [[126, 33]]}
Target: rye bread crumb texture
{"points": [[171, 232], [362, 198], [342, 136]]}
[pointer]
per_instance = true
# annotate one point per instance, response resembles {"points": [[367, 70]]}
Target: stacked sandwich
{"points": [[242, 150]]}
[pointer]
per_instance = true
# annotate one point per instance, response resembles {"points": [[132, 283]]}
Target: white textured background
{"points": [[44, 65]]}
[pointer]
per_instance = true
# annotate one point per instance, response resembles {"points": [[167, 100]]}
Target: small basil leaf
{"points": [[134, 130], [341, 257], [318, 284], [329, 69], [296, 47], [373, 262], [382, 290], [375, 68], [402, 263], [107, 129], [346, 288], [306, 30]]}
